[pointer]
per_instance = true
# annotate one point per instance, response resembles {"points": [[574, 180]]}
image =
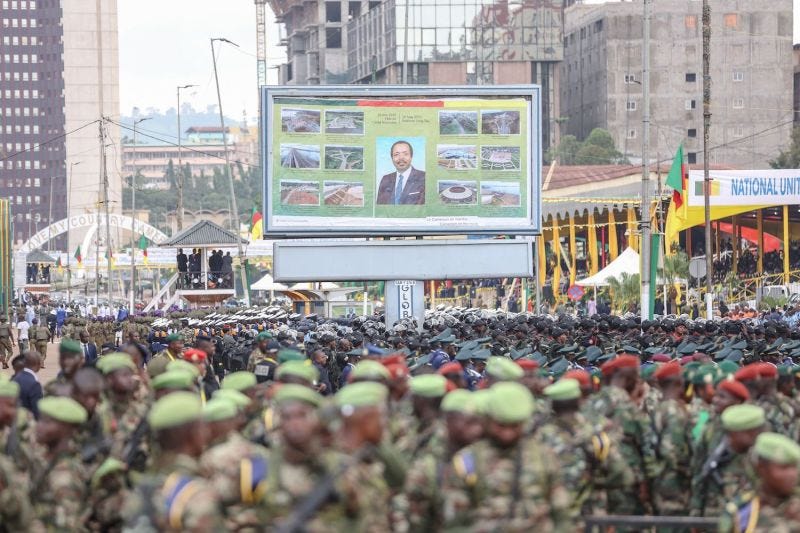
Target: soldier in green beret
{"points": [[17, 438], [774, 504], [70, 360], [175, 496], [172, 352], [428, 432], [6, 340]]}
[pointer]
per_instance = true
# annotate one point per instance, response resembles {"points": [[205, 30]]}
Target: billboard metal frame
{"points": [[533, 92]]}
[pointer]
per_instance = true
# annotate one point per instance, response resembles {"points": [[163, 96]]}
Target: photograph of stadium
{"points": [[499, 193], [299, 192], [299, 156], [344, 158], [456, 156], [500, 158], [344, 122], [458, 122], [500, 122], [299, 120], [458, 192], [343, 193]]}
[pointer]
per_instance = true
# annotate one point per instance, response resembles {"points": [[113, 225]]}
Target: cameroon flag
{"points": [[256, 226], [78, 257], [143, 247]]}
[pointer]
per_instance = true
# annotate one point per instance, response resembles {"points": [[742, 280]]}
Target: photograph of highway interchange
{"points": [[299, 121]]}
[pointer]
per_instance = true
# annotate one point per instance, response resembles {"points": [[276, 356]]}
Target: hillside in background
{"points": [[165, 125]]}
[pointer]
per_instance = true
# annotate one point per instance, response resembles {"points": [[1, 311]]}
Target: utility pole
{"points": [[133, 216], [234, 208], [69, 253], [50, 217], [97, 225], [706, 133], [645, 221], [405, 46], [104, 169], [261, 42], [179, 174]]}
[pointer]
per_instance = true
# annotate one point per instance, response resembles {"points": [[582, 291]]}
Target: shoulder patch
{"points": [[253, 473], [465, 466]]}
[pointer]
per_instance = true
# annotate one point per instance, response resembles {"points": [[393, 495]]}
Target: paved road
{"points": [[51, 365]]}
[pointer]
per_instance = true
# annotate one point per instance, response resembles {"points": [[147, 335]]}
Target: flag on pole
{"points": [[78, 257], [59, 266], [143, 247], [676, 179], [110, 257], [256, 226]]}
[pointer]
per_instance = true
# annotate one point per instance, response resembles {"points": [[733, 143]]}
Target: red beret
{"points": [[623, 361], [767, 370], [193, 355], [393, 360], [668, 370], [747, 373], [398, 370], [687, 359], [661, 358], [451, 368], [581, 376], [527, 364], [734, 388]]}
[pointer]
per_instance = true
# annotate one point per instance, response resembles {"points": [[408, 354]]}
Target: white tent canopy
{"points": [[627, 261], [268, 284]]}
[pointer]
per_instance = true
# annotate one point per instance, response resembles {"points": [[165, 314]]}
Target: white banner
{"points": [[746, 187]]}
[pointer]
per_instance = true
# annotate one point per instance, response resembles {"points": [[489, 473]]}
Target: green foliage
{"points": [[676, 267], [625, 291], [597, 149], [789, 158], [773, 302]]}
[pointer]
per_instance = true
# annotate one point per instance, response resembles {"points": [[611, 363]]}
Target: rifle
{"points": [[131, 454], [306, 509]]}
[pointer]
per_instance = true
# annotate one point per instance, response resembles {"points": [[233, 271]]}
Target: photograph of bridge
{"points": [[458, 192], [458, 122], [344, 158], [295, 192], [500, 158], [500, 193], [456, 156], [344, 193], [299, 120], [299, 156], [344, 122], [500, 122]]}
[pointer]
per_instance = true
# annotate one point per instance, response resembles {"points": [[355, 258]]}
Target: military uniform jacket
{"points": [[749, 515]]}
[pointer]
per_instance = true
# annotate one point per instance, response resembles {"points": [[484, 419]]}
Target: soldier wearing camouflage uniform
{"points": [[39, 335], [6, 340]]}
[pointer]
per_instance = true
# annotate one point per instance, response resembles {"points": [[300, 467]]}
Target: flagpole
{"points": [[706, 177], [646, 311]]}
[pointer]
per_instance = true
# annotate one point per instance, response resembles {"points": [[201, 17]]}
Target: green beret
{"points": [[175, 409], [743, 417], [115, 361], [240, 400], [647, 370], [704, 374], [299, 369], [240, 381], [172, 337], [263, 336], [504, 369], [787, 370], [510, 403], [70, 346], [297, 393], [777, 448], [219, 409], [728, 367], [109, 466], [183, 366], [563, 389], [361, 394], [286, 355], [63, 409], [460, 401], [8, 388], [370, 370], [481, 398], [429, 386], [173, 379]]}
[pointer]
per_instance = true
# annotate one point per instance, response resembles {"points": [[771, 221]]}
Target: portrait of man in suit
{"points": [[406, 185]]}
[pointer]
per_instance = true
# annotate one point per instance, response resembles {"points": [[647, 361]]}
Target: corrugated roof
{"points": [[572, 175], [204, 234], [38, 256]]}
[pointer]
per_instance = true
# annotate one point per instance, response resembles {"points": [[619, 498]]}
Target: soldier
{"points": [[727, 471], [70, 360], [120, 413], [6, 340], [761, 381], [506, 481], [16, 513], [58, 487], [427, 392], [175, 497], [174, 351], [263, 359], [16, 428], [774, 505]]}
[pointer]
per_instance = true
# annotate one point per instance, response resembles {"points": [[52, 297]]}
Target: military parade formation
{"points": [[478, 420]]}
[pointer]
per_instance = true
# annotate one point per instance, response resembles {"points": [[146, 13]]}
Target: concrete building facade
{"points": [[443, 42], [59, 76], [751, 75]]}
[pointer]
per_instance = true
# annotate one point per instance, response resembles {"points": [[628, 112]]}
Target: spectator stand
{"points": [[38, 272]]}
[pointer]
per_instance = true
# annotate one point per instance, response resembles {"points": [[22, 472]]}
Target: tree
{"points": [[790, 158], [676, 266], [626, 292], [597, 149], [566, 150], [171, 176], [602, 139]]}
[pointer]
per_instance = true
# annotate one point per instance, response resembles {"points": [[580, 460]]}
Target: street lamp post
{"points": [[234, 209], [133, 216], [179, 174], [69, 255]]}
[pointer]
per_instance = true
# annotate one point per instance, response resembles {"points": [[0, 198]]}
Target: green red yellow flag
{"points": [[256, 226]]}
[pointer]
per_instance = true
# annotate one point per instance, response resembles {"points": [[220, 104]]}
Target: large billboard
{"points": [[745, 187], [410, 160]]}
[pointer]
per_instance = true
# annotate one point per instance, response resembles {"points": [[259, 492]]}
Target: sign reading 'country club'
{"points": [[401, 160]]}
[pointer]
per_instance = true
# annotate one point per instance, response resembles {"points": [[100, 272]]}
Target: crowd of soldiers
{"points": [[476, 421]]}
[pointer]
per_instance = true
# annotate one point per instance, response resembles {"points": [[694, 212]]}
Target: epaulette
{"points": [[465, 467], [602, 446], [253, 473], [178, 491]]}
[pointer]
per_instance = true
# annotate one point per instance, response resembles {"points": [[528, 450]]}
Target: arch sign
{"points": [[92, 220]]}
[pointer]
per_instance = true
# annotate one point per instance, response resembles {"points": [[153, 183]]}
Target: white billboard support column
{"points": [[405, 299]]}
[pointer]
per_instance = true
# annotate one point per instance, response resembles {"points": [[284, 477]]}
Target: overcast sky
{"points": [[165, 43]]}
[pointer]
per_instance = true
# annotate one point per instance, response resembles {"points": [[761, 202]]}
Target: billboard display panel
{"points": [[406, 160]]}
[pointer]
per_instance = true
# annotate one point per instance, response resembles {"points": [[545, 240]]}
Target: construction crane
{"points": [[261, 42]]}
